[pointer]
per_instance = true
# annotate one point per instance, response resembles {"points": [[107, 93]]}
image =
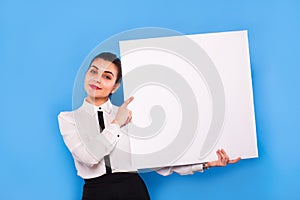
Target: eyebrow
{"points": [[109, 72], [103, 71]]}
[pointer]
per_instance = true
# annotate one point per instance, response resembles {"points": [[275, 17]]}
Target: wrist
{"points": [[206, 166], [115, 122]]}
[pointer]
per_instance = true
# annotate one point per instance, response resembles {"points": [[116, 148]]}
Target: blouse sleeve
{"points": [[90, 151], [182, 170]]}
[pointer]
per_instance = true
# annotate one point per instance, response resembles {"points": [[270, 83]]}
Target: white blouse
{"points": [[80, 131]]}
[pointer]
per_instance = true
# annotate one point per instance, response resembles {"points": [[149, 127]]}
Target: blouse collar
{"points": [[92, 109]]}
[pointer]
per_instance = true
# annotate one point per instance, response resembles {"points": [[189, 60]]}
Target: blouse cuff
{"points": [[108, 140], [114, 132], [197, 167]]}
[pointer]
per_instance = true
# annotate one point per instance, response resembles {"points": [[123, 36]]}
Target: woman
{"points": [[93, 135]]}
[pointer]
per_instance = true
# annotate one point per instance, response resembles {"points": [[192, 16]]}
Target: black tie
{"points": [[102, 127]]}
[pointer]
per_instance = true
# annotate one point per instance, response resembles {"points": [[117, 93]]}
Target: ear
{"points": [[116, 87]]}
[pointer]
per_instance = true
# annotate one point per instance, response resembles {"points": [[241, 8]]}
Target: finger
{"points": [[128, 101], [226, 157], [224, 153], [127, 121], [234, 160], [129, 114], [219, 155], [130, 118]]}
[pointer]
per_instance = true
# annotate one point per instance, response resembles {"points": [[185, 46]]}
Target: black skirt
{"points": [[115, 186]]}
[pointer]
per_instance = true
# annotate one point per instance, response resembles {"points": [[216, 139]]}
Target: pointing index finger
{"points": [[128, 101]]}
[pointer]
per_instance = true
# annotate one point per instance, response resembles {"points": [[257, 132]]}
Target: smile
{"points": [[94, 87]]}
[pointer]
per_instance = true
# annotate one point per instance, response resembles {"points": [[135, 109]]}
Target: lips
{"points": [[94, 87]]}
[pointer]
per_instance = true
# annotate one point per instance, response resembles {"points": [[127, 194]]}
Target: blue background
{"points": [[43, 43]]}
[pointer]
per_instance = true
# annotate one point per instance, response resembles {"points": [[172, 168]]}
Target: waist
{"points": [[97, 170], [111, 178]]}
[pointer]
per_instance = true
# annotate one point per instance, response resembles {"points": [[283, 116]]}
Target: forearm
{"points": [[182, 170], [104, 143], [87, 145]]}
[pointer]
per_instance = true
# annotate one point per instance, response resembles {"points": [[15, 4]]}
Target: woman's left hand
{"points": [[222, 161]]}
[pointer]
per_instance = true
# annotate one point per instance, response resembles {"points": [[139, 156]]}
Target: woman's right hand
{"points": [[123, 115]]}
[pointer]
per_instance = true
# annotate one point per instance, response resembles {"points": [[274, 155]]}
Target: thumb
{"points": [[234, 160]]}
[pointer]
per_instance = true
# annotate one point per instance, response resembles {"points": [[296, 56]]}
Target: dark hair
{"points": [[112, 58]]}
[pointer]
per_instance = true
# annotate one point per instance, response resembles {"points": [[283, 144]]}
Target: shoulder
{"points": [[66, 116], [114, 107]]}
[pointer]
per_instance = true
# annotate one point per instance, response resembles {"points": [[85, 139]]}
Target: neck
{"points": [[96, 101]]}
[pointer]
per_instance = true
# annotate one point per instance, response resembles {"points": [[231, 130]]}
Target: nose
{"points": [[99, 78]]}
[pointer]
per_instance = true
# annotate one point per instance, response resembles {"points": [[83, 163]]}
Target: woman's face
{"points": [[100, 79]]}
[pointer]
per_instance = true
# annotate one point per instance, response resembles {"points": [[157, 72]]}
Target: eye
{"points": [[107, 77], [92, 71]]}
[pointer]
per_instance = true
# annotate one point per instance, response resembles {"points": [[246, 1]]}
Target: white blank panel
{"points": [[171, 90]]}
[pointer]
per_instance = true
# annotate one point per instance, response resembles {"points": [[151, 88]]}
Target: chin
{"points": [[98, 96]]}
